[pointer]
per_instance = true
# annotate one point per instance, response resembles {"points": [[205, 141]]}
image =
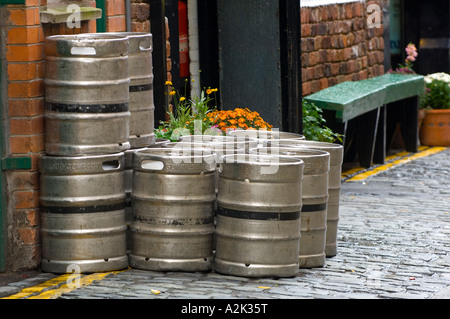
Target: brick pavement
{"points": [[393, 242]]}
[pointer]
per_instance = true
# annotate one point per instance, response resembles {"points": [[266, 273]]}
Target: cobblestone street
{"points": [[393, 242]]}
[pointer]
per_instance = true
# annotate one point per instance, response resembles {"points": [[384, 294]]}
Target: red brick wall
{"points": [[338, 46], [23, 63], [115, 16], [140, 15]]}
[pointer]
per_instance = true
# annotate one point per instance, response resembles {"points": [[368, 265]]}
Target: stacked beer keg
{"points": [[98, 105], [250, 204]]}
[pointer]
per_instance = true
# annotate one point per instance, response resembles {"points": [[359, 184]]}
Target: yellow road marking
{"points": [[55, 287], [394, 160], [66, 288], [39, 288]]}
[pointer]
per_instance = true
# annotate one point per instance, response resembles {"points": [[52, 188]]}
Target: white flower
{"points": [[438, 76]]}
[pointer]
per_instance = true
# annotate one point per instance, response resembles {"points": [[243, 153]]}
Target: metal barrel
{"points": [[86, 94], [334, 185], [173, 209], [142, 109], [128, 185], [82, 202], [258, 216], [314, 200]]}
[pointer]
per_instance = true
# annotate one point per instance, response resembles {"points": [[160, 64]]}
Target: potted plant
{"points": [[314, 128], [189, 117], [435, 129]]}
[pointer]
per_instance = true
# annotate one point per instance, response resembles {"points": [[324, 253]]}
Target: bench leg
{"points": [[409, 123], [368, 124], [379, 155]]}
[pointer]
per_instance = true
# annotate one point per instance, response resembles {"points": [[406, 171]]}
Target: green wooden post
{"points": [[101, 23]]}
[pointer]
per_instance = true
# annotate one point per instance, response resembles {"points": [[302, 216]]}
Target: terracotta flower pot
{"points": [[435, 130]]}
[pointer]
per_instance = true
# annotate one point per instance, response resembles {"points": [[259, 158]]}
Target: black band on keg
{"points": [[141, 88], [87, 108], [257, 215], [83, 209], [314, 207]]}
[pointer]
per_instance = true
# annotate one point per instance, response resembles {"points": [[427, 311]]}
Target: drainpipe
{"points": [[194, 52], [128, 15]]}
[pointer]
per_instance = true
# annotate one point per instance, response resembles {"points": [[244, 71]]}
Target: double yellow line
{"points": [[54, 288], [360, 173]]}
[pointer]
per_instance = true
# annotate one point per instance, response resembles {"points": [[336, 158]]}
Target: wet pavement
{"points": [[393, 243]]}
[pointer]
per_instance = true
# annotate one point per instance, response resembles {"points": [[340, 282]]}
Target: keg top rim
{"points": [[291, 151], [81, 157], [85, 37], [260, 159], [307, 143], [124, 33], [218, 141]]}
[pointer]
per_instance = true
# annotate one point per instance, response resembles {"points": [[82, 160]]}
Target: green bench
{"points": [[366, 113]]}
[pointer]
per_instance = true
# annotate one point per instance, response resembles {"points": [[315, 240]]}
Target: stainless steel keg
{"points": [[86, 94], [258, 216], [141, 88], [173, 209], [83, 213], [334, 185], [128, 185], [314, 200]]}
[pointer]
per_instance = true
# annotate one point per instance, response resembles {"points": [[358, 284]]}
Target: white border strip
{"points": [[316, 3]]}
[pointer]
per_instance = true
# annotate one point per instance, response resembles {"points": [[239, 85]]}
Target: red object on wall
{"points": [[183, 39]]}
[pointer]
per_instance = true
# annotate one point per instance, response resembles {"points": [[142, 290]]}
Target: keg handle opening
{"points": [[83, 51], [110, 165], [152, 165], [145, 45]]}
